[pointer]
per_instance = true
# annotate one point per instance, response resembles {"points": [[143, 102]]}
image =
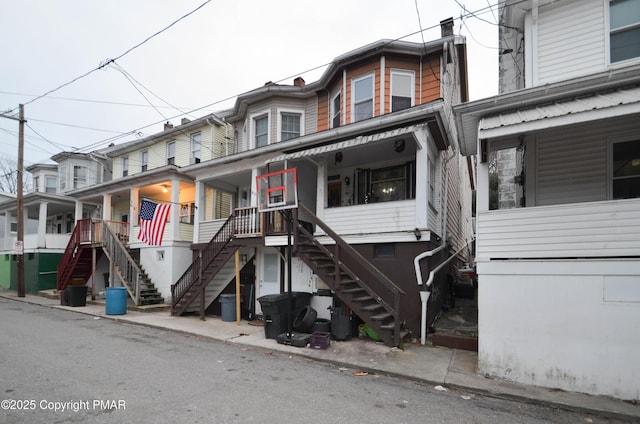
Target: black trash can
{"points": [[275, 311], [340, 323], [76, 295]]}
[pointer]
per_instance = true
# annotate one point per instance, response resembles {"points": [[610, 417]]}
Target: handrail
{"points": [[191, 276], [81, 234], [374, 271], [127, 268]]}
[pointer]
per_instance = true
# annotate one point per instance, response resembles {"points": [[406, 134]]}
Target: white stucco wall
{"points": [[163, 273], [562, 324]]}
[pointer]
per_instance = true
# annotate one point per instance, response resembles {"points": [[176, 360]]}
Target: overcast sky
{"points": [[203, 62]]}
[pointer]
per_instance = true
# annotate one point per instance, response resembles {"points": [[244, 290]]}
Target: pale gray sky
{"points": [[222, 50]]}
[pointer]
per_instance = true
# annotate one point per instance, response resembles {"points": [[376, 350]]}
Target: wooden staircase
{"points": [[77, 260], [359, 284], [193, 282]]}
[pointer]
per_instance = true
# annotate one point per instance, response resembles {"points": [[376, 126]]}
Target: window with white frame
{"points": [[261, 130], [36, 183], [171, 153], [387, 184], [50, 184], [626, 170], [144, 160], [79, 176], [125, 166], [624, 27], [62, 177], [402, 90], [362, 97], [196, 147], [289, 125], [432, 183], [336, 108]]}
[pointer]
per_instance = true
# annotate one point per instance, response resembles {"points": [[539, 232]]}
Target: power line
{"points": [[108, 61]]}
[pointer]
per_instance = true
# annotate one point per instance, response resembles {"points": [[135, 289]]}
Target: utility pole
{"points": [[20, 207], [19, 247]]}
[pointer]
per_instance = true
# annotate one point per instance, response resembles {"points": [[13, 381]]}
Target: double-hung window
{"points": [[624, 26], [171, 153], [626, 170], [336, 107], [125, 166], [362, 89], [144, 160], [261, 130], [50, 184], [196, 147], [289, 125], [402, 90], [62, 177], [79, 176]]}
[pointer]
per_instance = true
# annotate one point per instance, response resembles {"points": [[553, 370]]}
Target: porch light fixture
{"points": [[164, 188], [417, 233], [398, 146]]}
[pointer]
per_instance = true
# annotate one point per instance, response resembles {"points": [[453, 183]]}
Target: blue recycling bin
{"points": [[116, 301]]}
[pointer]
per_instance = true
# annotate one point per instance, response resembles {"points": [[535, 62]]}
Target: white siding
{"points": [[571, 40], [372, 218], [597, 229]]}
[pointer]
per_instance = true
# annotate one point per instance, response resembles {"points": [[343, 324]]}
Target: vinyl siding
{"points": [[571, 40], [355, 73], [373, 218]]}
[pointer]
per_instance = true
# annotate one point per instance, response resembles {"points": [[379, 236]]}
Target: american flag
{"points": [[153, 218]]}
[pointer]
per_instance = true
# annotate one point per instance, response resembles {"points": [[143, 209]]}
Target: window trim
{"points": [[610, 32], [332, 111], [192, 137], [76, 179], [298, 112], [403, 72], [171, 160], [144, 160], [125, 166], [252, 123], [54, 186], [354, 81]]}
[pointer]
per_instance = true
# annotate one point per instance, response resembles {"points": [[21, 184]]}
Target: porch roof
{"points": [[352, 142], [584, 109]]}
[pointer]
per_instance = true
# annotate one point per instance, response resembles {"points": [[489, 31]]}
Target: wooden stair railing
{"points": [[189, 287], [358, 283], [81, 235], [132, 275]]}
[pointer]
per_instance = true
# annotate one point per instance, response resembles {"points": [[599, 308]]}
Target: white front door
{"points": [[268, 274]]}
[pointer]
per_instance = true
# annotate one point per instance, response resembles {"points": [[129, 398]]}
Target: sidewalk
{"points": [[436, 366]]}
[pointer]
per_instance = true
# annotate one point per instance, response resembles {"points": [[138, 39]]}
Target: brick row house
{"points": [[380, 181], [558, 200]]}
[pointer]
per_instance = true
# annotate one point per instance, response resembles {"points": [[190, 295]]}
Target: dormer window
{"points": [[402, 90], [50, 184], [79, 176], [624, 24], [289, 125], [362, 89], [261, 132]]}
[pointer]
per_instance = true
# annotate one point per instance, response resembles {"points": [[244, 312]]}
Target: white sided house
{"points": [[558, 203], [379, 181]]}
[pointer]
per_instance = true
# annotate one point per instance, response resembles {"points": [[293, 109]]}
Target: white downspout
{"points": [[425, 294]]}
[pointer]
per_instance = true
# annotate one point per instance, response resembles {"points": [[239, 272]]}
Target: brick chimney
{"points": [[446, 27], [299, 82], [168, 125]]}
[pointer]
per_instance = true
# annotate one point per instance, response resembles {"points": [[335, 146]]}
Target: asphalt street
{"points": [[58, 366]]}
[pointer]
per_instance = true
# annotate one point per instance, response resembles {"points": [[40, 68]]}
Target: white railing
{"points": [[594, 229], [370, 218]]}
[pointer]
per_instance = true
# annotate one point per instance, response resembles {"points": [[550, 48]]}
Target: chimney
{"points": [[168, 125], [446, 27], [298, 82], [185, 121]]}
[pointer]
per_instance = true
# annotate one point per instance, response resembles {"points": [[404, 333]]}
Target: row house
{"points": [[379, 183], [558, 200]]}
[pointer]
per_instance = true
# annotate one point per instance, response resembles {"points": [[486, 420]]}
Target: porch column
{"points": [[134, 219], [106, 207], [175, 209], [422, 179], [7, 230], [254, 193], [42, 225], [321, 184], [78, 211], [200, 208], [482, 194]]}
